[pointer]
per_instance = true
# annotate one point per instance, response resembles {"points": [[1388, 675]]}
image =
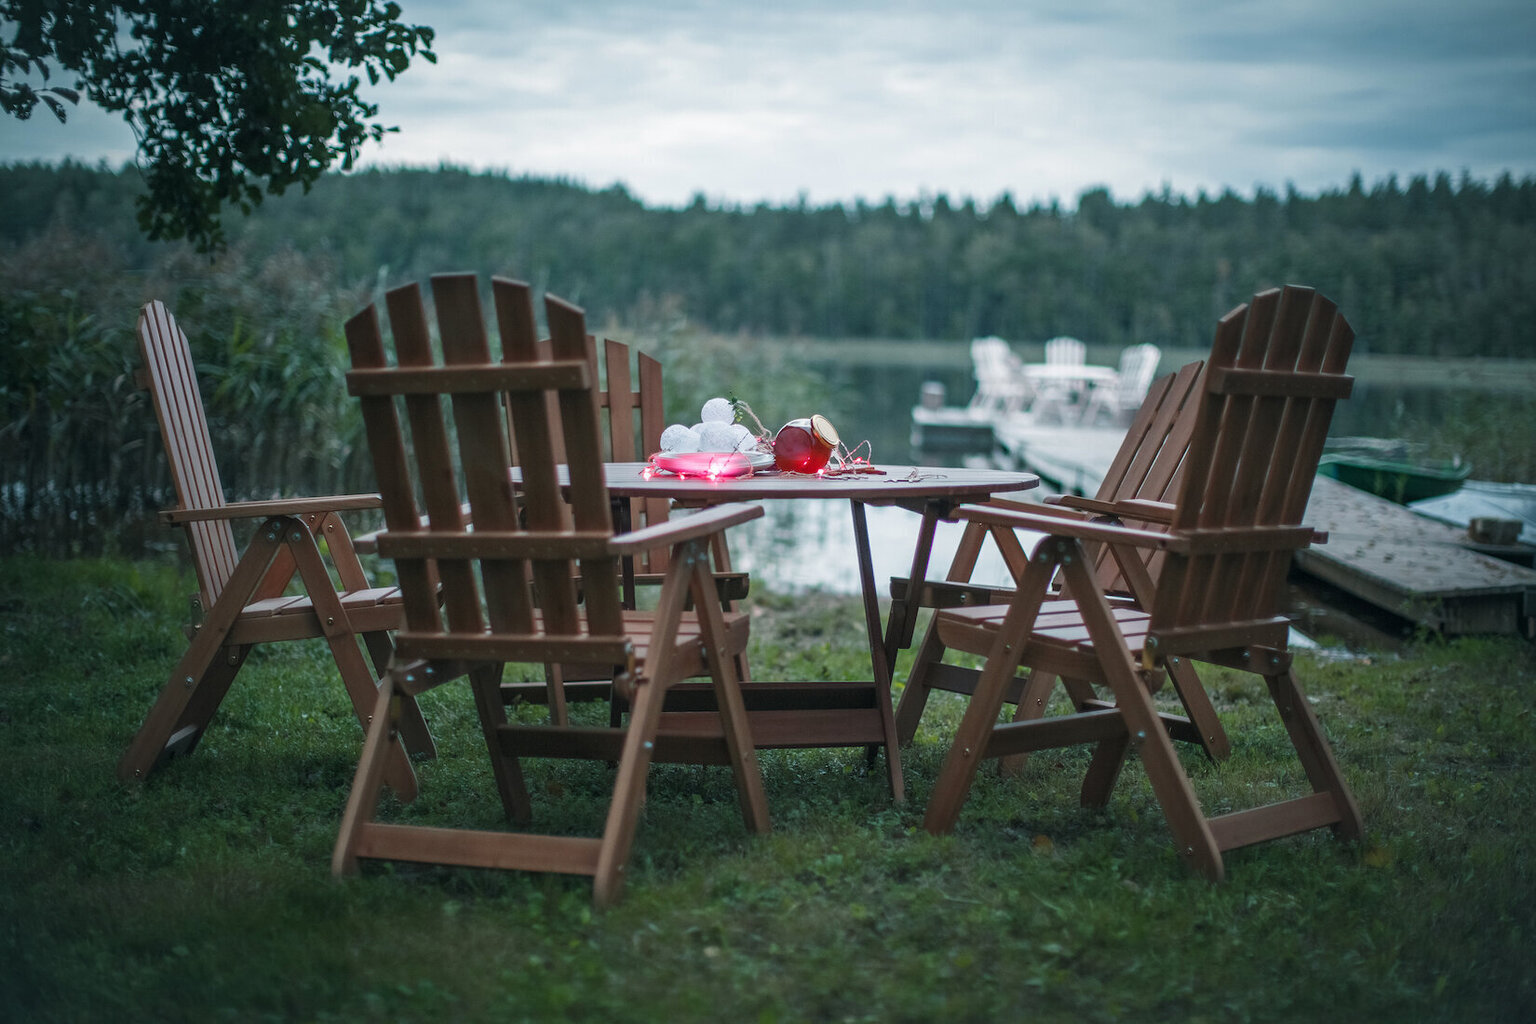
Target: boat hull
{"points": [[1401, 482]]}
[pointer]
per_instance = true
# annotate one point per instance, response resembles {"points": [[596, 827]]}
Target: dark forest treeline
{"points": [[1438, 267], [1435, 268]]}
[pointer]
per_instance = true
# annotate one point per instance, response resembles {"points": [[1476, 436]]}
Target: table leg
{"points": [[903, 618], [877, 656], [622, 524]]}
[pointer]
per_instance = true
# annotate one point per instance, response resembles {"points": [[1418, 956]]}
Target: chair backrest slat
{"points": [[184, 430], [440, 489], [1147, 464], [1138, 365], [626, 392], [1252, 457], [391, 466], [541, 445], [589, 492], [472, 437], [648, 511], [1270, 341], [484, 451], [1065, 352], [622, 401]]}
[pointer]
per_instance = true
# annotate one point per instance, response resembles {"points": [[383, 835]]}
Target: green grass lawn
{"points": [[206, 893]]}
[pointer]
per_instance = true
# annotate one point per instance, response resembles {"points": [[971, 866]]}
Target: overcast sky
{"points": [[745, 102]]}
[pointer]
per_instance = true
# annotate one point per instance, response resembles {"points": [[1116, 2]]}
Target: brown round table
{"points": [[819, 713]]}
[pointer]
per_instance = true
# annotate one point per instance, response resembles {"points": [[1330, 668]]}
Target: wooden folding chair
{"points": [[1276, 369], [242, 593], [1136, 488], [509, 584]]}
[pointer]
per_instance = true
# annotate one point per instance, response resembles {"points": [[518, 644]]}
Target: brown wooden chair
{"points": [[1276, 369], [509, 584], [1137, 485], [243, 594]]}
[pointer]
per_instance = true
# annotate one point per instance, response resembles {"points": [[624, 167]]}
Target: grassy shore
{"points": [[205, 894]]}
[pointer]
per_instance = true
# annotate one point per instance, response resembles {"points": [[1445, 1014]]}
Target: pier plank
{"points": [[1413, 566]]}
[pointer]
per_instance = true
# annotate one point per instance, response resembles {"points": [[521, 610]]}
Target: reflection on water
{"points": [[808, 545]]}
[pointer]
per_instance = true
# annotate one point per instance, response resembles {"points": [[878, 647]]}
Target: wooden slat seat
{"points": [[1275, 372], [242, 591]]}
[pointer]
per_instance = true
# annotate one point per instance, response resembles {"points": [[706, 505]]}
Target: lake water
{"points": [[804, 545]]}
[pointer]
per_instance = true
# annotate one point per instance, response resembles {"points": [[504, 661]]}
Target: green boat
{"points": [[1400, 479]]}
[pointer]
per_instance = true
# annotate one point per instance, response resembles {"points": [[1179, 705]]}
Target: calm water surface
{"points": [[805, 545]]}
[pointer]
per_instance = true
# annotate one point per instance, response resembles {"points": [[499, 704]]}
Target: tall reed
{"points": [[81, 464]]}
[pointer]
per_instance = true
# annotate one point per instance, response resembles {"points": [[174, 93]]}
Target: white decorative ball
{"points": [[717, 437], [718, 410], [678, 438]]}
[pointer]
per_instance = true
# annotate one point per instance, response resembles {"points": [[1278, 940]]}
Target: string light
{"points": [[713, 466]]}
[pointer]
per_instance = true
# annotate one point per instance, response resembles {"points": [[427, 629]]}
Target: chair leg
{"points": [[1104, 770], [1315, 752], [1197, 705], [186, 704], [506, 768], [628, 794], [202, 675], [398, 775], [1030, 707], [953, 785], [381, 745], [359, 682], [413, 726], [1192, 833], [732, 709], [914, 696], [554, 688]]}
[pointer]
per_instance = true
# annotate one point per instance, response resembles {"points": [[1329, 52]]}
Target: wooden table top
{"points": [[1070, 371], [893, 484]]}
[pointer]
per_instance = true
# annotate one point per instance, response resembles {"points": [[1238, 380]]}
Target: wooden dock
{"points": [[946, 430], [1412, 566], [1069, 459], [1389, 556]]}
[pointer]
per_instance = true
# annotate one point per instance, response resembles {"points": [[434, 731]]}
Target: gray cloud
{"points": [[744, 102]]}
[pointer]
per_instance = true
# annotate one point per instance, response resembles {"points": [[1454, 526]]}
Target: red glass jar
{"points": [[805, 445]]}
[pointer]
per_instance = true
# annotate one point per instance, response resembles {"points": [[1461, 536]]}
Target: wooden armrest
{"points": [[1058, 527], [1142, 509], [732, 586], [947, 593], [1146, 510], [368, 543], [1012, 504], [683, 528], [273, 507], [1053, 510], [1234, 539]]}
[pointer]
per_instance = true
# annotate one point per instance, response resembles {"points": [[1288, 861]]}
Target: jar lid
{"points": [[823, 429]]}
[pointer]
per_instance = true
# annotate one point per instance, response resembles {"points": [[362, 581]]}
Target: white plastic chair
{"points": [[1138, 365], [999, 374]]}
